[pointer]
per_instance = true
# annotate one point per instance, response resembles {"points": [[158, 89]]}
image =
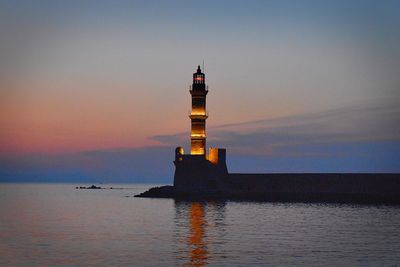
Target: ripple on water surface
{"points": [[55, 224]]}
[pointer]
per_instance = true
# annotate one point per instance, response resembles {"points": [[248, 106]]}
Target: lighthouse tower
{"points": [[198, 170], [198, 114]]}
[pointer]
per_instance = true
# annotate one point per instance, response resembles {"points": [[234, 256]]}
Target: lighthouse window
{"points": [[198, 79]]}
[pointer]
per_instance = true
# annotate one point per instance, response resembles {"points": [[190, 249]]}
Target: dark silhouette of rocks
{"points": [[89, 187], [99, 187], [315, 187]]}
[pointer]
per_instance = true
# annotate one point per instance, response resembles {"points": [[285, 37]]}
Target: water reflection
{"points": [[197, 227], [198, 251]]}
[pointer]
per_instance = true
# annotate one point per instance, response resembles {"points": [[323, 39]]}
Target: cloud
{"points": [[364, 138], [172, 139], [150, 164], [362, 123]]}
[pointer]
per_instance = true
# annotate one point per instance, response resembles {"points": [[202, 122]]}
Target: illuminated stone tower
{"points": [[197, 171], [198, 114]]}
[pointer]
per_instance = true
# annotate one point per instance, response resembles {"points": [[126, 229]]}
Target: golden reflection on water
{"points": [[198, 252], [198, 225]]}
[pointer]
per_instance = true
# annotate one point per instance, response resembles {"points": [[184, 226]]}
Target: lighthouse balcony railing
{"points": [[191, 89]]}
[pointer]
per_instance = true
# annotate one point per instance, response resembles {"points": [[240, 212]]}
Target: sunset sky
{"points": [[98, 90]]}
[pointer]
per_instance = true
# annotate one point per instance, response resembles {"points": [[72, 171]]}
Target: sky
{"points": [[97, 91]]}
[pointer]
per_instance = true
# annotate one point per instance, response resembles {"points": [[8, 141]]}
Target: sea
{"points": [[59, 225]]}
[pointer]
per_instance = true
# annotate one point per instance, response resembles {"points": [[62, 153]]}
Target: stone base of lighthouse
{"points": [[195, 173]]}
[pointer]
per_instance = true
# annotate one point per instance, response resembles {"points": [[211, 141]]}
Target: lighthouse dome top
{"points": [[198, 69], [198, 76]]}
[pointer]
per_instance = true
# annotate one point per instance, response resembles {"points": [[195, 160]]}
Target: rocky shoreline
{"points": [[306, 197]]}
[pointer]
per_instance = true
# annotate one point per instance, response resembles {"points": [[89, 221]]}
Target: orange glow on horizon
{"points": [[57, 116], [46, 117]]}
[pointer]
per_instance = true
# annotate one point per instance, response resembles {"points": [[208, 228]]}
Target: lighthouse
{"points": [[198, 114], [200, 175], [199, 169]]}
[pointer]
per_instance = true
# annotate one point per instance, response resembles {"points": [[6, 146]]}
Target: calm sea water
{"points": [[57, 225]]}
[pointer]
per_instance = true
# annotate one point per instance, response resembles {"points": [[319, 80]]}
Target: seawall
{"points": [[197, 177], [345, 183], [368, 188]]}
